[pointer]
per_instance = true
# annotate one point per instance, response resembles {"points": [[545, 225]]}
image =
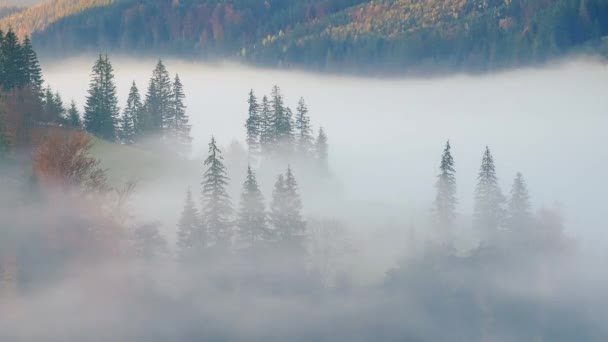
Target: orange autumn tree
{"points": [[81, 208]]}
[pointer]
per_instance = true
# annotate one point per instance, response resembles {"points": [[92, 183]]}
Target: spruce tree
{"points": [[253, 125], [445, 200], [321, 152], [159, 99], [180, 123], [489, 200], [282, 124], [304, 137], [126, 128], [285, 214], [191, 235], [519, 205], [267, 135], [33, 72], [101, 110], [14, 75], [73, 118], [134, 112], [4, 142], [252, 213], [217, 208]]}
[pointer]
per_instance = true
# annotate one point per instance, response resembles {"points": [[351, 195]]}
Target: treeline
{"points": [[347, 35], [274, 131], [161, 114]]}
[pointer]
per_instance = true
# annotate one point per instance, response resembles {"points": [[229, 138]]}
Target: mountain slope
{"points": [[348, 35], [38, 17]]}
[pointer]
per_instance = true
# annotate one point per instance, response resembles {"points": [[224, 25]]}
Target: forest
{"points": [[381, 37], [73, 256]]}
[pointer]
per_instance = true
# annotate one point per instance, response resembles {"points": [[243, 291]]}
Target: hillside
{"points": [[38, 17], [343, 35]]}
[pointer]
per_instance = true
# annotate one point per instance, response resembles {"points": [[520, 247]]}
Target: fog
{"points": [[389, 278], [386, 136]]}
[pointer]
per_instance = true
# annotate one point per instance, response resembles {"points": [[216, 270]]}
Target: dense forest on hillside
{"points": [[388, 35]]}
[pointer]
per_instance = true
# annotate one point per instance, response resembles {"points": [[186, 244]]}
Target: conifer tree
{"points": [[58, 107], [321, 152], [445, 200], [267, 135], [126, 128], [33, 72], [14, 73], [159, 99], [73, 118], [134, 112], [489, 200], [101, 110], [4, 142], [282, 124], [180, 126], [217, 208], [519, 205], [252, 214], [253, 125], [304, 137], [2, 61], [286, 207], [191, 235]]}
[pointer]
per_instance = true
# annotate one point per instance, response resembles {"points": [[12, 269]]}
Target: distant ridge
{"points": [[408, 36]]}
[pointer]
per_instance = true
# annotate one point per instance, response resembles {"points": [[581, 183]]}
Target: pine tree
{"points": [[519, 205], [14, 75], [59, 109], [252, 214], [489, 200], [73, 118], [101, 110], [282, 124], [191, 235], [267, 135], [253, 125], [217, 208], [285, 214], [159, 99], [180, 123], [126, 128], [33, 72], [305, 139], [4, 142], [134, 112], [321, 152], [445, 200]]}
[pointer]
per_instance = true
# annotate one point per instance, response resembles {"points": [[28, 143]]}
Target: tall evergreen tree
{"points": [[33, 72], [4, 142], [519, 205], [304, 137], [73, 118], [101, 110], [159, 99], [282, 124], [252, 213], [217, 208], [267, 135], [180, 126], [134, 112], [285, 214], [253, 125], [126, 128], [14, 73], [489, 200], [445, 200], [322, 152], [191, 234]]}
